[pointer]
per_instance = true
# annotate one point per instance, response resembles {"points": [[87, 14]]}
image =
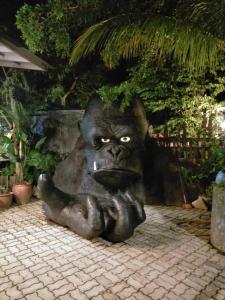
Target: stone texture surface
{"points": [[218, 219], [169, 257]]}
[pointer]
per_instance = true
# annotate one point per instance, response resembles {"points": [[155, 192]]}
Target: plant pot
{"points": [[6, 200], [187, 206], [22, 192]]}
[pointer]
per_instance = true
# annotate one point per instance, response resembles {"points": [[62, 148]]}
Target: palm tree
{"points": [[192, 42]]}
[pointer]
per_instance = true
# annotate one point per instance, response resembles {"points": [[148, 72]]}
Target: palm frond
{"points": [[92, 39], [210, 16], [123, 37]]}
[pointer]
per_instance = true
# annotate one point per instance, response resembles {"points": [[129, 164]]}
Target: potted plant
{"points": [[5, 197], [25, 156], [6, 194], [15, 147]]}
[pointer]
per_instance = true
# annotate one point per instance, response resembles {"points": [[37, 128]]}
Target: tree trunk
{"points": [[19, 172]]}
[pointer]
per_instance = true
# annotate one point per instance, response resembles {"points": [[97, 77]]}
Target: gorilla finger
{"points": [[131, 197], [95, 213], [140, 213], [43, 180], [120, 204], [44, 185], [44, 177], [112, 213], [91, 202]]}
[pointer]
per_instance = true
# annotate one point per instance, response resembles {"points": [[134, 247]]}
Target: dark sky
{"points": [[8, 9]]}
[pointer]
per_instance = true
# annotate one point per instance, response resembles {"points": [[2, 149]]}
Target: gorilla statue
{"points": [[101, 187]]}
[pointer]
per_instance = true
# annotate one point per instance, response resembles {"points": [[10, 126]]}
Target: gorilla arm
{"points": [[85, 216], [81, 213]]}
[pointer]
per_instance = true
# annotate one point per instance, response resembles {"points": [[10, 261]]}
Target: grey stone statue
{"points": [[100, 188]]}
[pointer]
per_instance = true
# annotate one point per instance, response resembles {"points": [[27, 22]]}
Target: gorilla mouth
{"points": [[115, 178]]}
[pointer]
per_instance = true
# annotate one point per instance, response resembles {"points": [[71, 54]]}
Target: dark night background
{"points": [[7, 16]]}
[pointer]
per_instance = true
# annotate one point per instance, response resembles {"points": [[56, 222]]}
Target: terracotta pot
{"points": [[22, 192], [187, 206], [6, 200]]}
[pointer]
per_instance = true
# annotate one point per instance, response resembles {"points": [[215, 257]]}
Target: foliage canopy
{"points": [[167, 37]]}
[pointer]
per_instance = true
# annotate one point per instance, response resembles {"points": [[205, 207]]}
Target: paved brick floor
{"points": [[169, 257]]}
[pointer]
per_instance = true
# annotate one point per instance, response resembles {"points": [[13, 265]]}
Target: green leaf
{"points": [[40, 143], [6, 140]]}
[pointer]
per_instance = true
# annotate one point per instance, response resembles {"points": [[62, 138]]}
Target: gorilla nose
{"points": [[114, 152]]}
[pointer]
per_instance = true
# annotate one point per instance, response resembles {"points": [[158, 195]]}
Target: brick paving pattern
{"points": [[169, 257]]}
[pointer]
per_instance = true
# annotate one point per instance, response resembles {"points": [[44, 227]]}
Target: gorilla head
{"points": [[114, 143]]}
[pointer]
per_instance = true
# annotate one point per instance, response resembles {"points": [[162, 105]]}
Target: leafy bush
{"points": [[204, 174], [215, 162], [35, 161], [39, 161]]}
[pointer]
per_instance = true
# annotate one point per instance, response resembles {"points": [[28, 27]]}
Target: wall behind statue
{"points": [[61, 129]]}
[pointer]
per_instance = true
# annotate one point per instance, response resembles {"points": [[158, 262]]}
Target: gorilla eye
{"points": [[105, 140], [125, 139]]}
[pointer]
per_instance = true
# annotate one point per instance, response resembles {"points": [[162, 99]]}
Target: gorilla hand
{"points": [[81, 213], [127, 213]]}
